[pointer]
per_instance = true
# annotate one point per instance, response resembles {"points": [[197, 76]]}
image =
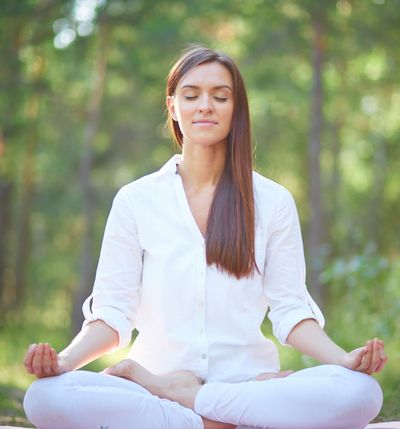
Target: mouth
{"points": [[205, 123]]}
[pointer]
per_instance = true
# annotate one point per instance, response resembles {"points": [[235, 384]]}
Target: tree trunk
{"points": [[23, 243], [87, 267], [314, 238], [5, 220], [335, 184], [377, 191]]}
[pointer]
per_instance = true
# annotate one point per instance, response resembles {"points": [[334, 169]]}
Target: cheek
{"points": [[184, 110], [229, 114], [184, 115]]}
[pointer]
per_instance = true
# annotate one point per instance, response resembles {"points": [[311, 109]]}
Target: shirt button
{"points": [[201, 331], [201, 304], [204, 356]]}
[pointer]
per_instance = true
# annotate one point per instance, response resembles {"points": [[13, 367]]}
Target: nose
{"points": [[205, 105]]}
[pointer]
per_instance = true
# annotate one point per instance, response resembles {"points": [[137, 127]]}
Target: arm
{"points": [[110, 311], [94, 340], [296, 319], [284, 273], [308, 337]]}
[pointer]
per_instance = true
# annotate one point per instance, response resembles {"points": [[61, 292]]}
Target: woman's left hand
{"points": [[369, 359]]}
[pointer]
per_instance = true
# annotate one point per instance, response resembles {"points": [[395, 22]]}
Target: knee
{"points": [[38, 401], [372, 397], [35, 401], [363, 399], [43, 401]]}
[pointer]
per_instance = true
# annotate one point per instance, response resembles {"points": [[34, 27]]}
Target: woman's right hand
{"points": [[42, 360]]}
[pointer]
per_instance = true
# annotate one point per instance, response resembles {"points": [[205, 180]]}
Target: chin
{"points": [[207, 142]]}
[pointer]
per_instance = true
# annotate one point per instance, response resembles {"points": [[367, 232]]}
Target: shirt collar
{"points": [[170, 165]]}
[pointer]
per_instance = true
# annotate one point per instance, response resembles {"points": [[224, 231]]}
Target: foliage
{"points": [[364, 302], [68, 138]]}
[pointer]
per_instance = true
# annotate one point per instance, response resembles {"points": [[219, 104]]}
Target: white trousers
{"points": [[323, 397]]}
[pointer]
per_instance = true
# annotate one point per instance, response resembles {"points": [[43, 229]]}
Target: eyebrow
{"points": [[215, 87]]}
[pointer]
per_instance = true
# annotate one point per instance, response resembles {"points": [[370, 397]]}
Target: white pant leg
{"points": [[88, 400], [323, 397]]}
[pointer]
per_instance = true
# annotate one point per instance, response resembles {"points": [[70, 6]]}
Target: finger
{"points": [[381, 365], [383, 361], [376, 356], [28, 358], [37, 361], [54, 361], [357, 355], [366, 362], [382, 356], [46, 362]]}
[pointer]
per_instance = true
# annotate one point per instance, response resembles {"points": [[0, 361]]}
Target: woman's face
{"points": [[203, 104]]}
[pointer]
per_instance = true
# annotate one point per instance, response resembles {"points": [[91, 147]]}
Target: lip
{"points": [[205, 122]]}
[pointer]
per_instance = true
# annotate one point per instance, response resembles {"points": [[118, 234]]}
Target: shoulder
{"points": [[148, 185], [274, 202], [151, 185], [269, 191]]}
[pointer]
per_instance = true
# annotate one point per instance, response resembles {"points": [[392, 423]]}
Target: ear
{"points": [[170, 101]]}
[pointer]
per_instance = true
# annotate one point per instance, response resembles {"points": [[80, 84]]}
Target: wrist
{"points": [[343, 359], [64, 362]]}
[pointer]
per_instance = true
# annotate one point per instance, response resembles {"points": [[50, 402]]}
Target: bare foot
{"points": [[269, 375], [211, 424], [177, 386]]}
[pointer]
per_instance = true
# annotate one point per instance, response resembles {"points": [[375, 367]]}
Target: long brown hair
{"points": [[230, 235]]}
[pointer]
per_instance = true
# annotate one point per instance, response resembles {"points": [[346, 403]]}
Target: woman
{"points": [[193, 256]]}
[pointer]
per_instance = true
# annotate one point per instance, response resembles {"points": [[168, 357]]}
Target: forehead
{"points": [[207, 75]]}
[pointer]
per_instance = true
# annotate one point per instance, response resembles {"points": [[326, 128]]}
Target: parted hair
{"points": [[230, 234]]}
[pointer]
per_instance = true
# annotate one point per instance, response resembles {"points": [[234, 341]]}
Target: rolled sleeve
{"points": [[284, 274], [116, 291]]}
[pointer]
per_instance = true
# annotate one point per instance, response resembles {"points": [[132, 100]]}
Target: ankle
{"points": [[184, 395], [155, 384]]}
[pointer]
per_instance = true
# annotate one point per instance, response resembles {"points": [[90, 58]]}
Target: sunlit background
{"points": [[82, 113]]}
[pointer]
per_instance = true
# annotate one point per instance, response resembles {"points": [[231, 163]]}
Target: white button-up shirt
{"points": [[152, 275]]}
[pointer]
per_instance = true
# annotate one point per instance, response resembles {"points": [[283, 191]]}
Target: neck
{"points": [[201, 167]]}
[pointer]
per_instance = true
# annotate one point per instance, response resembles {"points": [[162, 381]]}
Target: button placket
{"points": [[201, 304]]}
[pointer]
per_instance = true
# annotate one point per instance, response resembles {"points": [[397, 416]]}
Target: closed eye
{"points": [[193, 97]]}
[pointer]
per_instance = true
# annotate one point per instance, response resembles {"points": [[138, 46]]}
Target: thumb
{"points": [[358, 355]]}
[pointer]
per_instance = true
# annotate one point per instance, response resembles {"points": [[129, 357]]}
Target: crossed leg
{"points": [[88, 400], [329, 397]]}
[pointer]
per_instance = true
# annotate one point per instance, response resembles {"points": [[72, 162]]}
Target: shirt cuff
{"points": [[114, 318], [286, 325]]}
